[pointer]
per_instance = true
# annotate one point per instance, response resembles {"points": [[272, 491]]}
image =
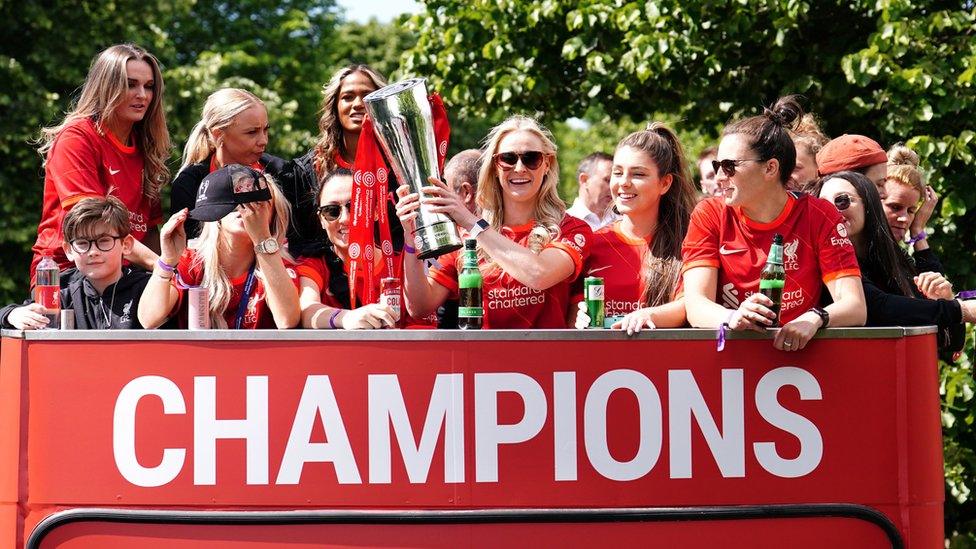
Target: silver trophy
{"points": [[404, 127]]}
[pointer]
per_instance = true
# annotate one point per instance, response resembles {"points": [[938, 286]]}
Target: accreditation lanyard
{"points": [[245, 297]]}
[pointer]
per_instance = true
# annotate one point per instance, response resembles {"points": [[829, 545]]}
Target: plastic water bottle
{"points": [[47, 290]]}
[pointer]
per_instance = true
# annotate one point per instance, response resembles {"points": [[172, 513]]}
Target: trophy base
{"points": [[436, 240]]}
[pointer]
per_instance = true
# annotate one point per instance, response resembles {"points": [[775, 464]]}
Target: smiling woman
{"points": [[529, 249], [113, 142], [725, 249]]}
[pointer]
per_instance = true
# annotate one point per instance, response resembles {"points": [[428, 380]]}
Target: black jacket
{"points": [[115, 309], [887, 307]]}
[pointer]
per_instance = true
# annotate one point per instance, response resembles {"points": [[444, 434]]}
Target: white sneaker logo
{"points": [[113, 172], [725, 251]]}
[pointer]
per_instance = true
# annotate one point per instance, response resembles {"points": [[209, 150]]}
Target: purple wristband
{"points": [[916, 238], [332, 319], [966, 294], [409, 249], [721, 331], [165, 266]]}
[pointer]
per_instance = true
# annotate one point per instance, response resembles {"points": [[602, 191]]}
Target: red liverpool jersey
{"points": [[84, 163], [316, 270], [816, 249], [510, 304], [257, 315], [617, 259]]}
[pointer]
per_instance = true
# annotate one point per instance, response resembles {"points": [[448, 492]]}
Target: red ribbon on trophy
{"points": [[370, 193]]}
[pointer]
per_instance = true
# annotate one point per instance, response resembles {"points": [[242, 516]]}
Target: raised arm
{"points": [[160, 295]]}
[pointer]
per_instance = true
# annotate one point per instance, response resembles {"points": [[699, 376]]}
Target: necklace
{"points": [[101, 306]]}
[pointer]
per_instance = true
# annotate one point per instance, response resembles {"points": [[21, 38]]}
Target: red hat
{"points": [[849, 152]]}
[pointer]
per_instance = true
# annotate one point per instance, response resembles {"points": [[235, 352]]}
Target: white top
{"points": [[580, 211]]}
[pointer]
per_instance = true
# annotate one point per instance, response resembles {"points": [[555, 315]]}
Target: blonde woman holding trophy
{"points": [[529, 249]]}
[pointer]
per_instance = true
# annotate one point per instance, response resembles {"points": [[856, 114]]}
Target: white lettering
{"points": [[386, 408], [684, 400], [318, 401], [488, 433], [595, 425], [811, 443], [124, 431], [207, 429], [564, 424]]}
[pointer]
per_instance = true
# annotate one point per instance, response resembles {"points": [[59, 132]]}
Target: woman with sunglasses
{"points": [[639, 256], [730, 235], [895, 295], [239, 256], [529, 250], [324, 295]]}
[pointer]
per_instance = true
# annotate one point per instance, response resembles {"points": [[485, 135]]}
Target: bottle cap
{"points": [[470, 244]]}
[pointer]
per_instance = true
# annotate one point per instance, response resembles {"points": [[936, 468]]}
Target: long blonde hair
{"points": [[549, 208], [103, 93], [330, 131], [219, 112], [661, 266], [210, 244]]}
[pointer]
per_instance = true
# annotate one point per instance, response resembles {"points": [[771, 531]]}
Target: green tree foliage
{"points": [[896, 70]]}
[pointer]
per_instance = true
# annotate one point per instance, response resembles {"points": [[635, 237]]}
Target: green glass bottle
{"points": [[470, 311], [773, 276]]}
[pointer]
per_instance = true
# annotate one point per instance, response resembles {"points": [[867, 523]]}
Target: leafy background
{"points": [[897, 70]]}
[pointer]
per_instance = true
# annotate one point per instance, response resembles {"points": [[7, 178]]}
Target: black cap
{"points": [[223, 190]]}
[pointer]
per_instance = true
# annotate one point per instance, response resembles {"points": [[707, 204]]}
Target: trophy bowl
{"points": [[404, 127]]}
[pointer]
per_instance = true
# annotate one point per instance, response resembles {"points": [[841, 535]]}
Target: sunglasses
{"points": [[842, 201], [331, 212], [103, 243], [530, 159], [728, 165]]}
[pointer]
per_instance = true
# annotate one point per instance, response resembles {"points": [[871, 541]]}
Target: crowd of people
{"points": [[269, 238]]}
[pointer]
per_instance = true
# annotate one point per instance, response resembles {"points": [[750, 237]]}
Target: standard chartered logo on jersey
{"points": [[511, 298]]}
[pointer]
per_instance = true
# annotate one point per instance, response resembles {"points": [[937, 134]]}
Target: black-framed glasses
{"points": [[843, 201], [728, 165], [104, 243], [331, 212], [530, 159]]}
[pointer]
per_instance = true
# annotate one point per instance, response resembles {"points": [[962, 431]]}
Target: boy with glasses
{"points": [[103, 293]]}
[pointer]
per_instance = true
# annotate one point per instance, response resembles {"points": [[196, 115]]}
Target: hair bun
{"points": [[785, 111], [901, 155]]}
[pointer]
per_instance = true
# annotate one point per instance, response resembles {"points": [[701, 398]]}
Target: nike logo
{"points": [[113, 172], [725, 251]]}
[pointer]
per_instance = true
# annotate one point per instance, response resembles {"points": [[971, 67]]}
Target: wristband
{"points": [[966, 294], [721, 331], [332, 319], [916, 238], [407, 248], [165, 266]]}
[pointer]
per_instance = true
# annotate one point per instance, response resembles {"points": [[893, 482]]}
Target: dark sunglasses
{"points": [[530, 159], [728, 165], [842, 201], [103, 243], [331, 212]]}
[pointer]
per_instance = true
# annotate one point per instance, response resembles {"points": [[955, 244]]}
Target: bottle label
{"points": [[471, 312], [595, 292], [770, 284], [48, 296], [393, 302]]}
